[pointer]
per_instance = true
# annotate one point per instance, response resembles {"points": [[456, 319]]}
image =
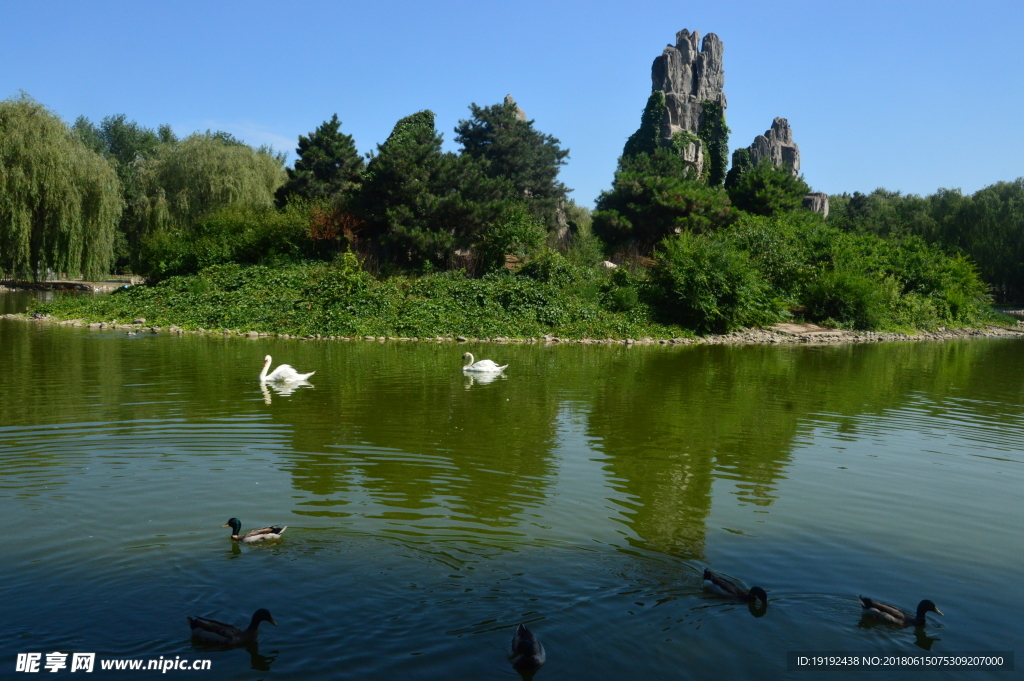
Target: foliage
{"points": [[767, 190], [419, 204], [124, 143], [986, 226], [517, 233], [715, 134], [584, 248], [328, 167], [510, 149], [647, 138], [651, 198], [342, 299], [709, 285], [860, 281], [741, 163], [182, 182], [232, 234], [60, 202]]}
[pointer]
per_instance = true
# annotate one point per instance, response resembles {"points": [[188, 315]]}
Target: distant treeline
{"points": [[715, 252], [987, 226]]}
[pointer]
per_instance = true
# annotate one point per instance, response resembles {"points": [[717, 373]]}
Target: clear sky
{"points": [[910, 96]]}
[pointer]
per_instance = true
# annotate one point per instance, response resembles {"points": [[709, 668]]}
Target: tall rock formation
{"points": [[777, 146], [688, 78]]}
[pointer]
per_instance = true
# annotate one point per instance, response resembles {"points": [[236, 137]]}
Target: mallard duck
{"points": [[284, 373], [893, 615], [273, 532], [726, 587], [213, 631], [484, 365], [525, 652], [131, 333]]}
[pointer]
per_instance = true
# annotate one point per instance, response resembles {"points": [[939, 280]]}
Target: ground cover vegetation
{"points": [[411, 240]]}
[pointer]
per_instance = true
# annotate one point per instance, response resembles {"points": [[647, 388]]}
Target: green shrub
{"points": [[234, 234], [551, 267], [708, 284], [517, 233]]}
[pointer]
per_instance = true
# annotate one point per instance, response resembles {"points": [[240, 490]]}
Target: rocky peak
{"points": [[520, 114], [689, 77], [777, 145]]}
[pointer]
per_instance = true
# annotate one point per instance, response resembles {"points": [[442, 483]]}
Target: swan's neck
{"points": [[263, 374], [469, 359]]}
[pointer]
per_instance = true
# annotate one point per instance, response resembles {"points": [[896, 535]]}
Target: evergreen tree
{"points": [[767, 190], [655, 196], [420, 204], [328, 167], [740, 164], [509, 148], [60, 202]]}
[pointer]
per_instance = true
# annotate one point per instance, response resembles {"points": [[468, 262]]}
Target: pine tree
{"points": [[420, 204], [328, 167], [509, 148]]}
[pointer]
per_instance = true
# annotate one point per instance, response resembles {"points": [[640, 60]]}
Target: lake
{"points": [[582, 494]]}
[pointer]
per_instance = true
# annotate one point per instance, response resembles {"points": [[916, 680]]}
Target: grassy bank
{"points": [[549, 296], [340, 299]]}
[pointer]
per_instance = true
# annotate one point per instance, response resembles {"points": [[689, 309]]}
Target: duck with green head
{"points": [[259, 534]]}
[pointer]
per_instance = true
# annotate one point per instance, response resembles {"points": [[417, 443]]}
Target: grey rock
{"points": [[520, 114], [608, 265], [818, 202], [689, 77], [777, 146]]}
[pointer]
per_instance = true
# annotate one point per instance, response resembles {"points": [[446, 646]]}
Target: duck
{"points": [[132, 333], [893, 615], [726, 587], [261, 534], [525, 652], [213, 631], [284, 372], [484, 365]]}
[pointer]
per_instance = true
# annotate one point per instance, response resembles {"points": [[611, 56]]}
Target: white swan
{"points": [[283, 373], [484, 365]]}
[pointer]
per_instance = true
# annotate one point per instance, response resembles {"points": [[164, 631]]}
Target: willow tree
{"points": [[182, 182], [60, 202]]}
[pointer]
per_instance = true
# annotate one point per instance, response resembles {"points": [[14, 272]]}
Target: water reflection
{"points": [[481, 378], [582, 489], [284, 389]]}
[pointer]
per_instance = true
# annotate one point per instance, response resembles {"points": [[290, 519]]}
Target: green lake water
{"points": [[582, 493]]}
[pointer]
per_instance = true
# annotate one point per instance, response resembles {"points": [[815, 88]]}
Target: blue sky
{"points": [[910, 96]]}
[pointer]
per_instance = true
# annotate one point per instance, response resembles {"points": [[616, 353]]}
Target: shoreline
{"points": [[780, 334]]}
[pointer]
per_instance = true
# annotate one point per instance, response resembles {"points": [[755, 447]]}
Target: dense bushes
{"points": [[987, 226], [708, 284], [762, 270], [234, 234]]}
